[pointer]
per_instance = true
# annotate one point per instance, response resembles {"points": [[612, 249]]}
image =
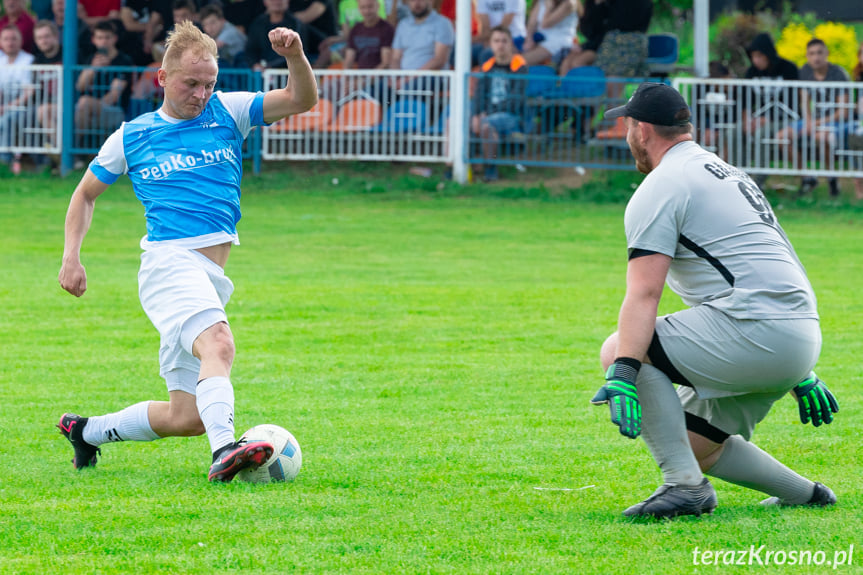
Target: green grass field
{"points": [[433, 353]]}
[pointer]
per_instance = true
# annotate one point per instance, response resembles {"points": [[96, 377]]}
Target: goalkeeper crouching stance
{"points": [[750, 335]]}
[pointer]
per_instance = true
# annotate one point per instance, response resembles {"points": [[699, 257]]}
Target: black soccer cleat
{"points": [[822, 496], [72, 428], [670, 501], [237, 456]]}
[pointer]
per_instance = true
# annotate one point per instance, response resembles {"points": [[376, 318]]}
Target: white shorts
{"points": [[183, 293]]}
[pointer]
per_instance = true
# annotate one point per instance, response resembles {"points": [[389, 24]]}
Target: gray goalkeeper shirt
{"points": [[728, 250]]}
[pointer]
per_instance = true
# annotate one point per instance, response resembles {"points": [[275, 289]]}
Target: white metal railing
{"points": [[779, 127], [31, 110], [378, 115]]}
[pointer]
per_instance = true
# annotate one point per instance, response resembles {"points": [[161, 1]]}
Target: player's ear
{"points": [[162, 76]]}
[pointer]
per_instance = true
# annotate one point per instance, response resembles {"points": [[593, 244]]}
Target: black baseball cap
{"points": [[654, 103]]}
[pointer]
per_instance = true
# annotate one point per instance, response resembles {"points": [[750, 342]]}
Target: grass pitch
{"points": [[433, 354]]}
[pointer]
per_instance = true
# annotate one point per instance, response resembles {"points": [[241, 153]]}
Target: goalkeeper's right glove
{"points": [[815, 402], [620, 394]]}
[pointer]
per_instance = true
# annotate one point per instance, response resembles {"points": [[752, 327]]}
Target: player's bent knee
{"points": [[608, 351]]}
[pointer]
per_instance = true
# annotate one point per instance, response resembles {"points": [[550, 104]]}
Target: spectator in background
{"points": [[422, 41], [259, 51], [767, 65], [103, 96], [319, 19], [48, 52], [370, 42], [46, 36], [230, 42], [332, 49], [550, 31], [623, 49], [15, 78], [591, 24], [499, 100], [14, 12], [509, 13], [823, 115], [93, 12]]}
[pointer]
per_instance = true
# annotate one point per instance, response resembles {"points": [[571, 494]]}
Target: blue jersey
{"points": [[186, 172]]}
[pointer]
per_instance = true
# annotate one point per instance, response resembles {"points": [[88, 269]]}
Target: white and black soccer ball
{"points": [[287, 458]]}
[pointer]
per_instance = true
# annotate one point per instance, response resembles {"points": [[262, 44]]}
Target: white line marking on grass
{"points": [[564, 488]]}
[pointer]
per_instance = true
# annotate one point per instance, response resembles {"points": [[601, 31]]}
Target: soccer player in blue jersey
{"points": [[184, 161]]}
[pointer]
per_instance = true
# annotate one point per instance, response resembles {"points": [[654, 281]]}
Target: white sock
{"points": [[215, 400], [663, 427], [745, 464], [130, 424]]}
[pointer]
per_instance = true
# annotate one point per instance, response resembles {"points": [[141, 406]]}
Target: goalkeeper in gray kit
{"points": [[749, 336]]}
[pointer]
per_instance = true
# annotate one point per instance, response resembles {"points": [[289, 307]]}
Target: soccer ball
{"points": [[283, 465]]}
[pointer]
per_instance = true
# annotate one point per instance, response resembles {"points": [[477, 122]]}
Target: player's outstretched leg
{"points": [[72, 428], [235, 457], [745, 464], [671, 501]]}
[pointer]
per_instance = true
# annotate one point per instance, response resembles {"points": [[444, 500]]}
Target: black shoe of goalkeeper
{"points": [[822, 496], [674, 500], [72, 428]]}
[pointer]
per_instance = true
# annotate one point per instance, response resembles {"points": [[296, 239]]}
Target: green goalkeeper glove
{"points": [[815, 402], [620, 394]]}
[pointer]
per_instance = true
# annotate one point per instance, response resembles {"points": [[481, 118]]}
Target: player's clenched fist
{"points": [[285, 42]]}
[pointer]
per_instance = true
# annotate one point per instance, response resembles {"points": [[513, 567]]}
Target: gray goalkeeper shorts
{"points": [[731, 371]]}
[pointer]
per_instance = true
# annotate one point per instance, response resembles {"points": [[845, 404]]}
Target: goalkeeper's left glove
{"points": [[815, 402], [620, 394]]}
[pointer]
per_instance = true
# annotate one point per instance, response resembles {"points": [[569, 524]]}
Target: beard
{"points": [[642, 160], [422, 13]]}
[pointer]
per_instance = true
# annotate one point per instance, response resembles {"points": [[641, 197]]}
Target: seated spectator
{"points": [[623, 49], [369, 45], [768, 65], [493, 13], [14, 12], [332, 50], [591, 24], [93, 12], [229, 40], [499, 100], [15, 79], [824, 116], [422, 41], [319, 19], [259, 52], [103, 95], [49, 52], [550, 31]]}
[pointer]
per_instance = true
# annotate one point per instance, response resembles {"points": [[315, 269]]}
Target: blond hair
{"points": [[187, 37]]}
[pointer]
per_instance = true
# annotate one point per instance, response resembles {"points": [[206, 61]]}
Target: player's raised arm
{"points": [[301, 91], [73, 277]]}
